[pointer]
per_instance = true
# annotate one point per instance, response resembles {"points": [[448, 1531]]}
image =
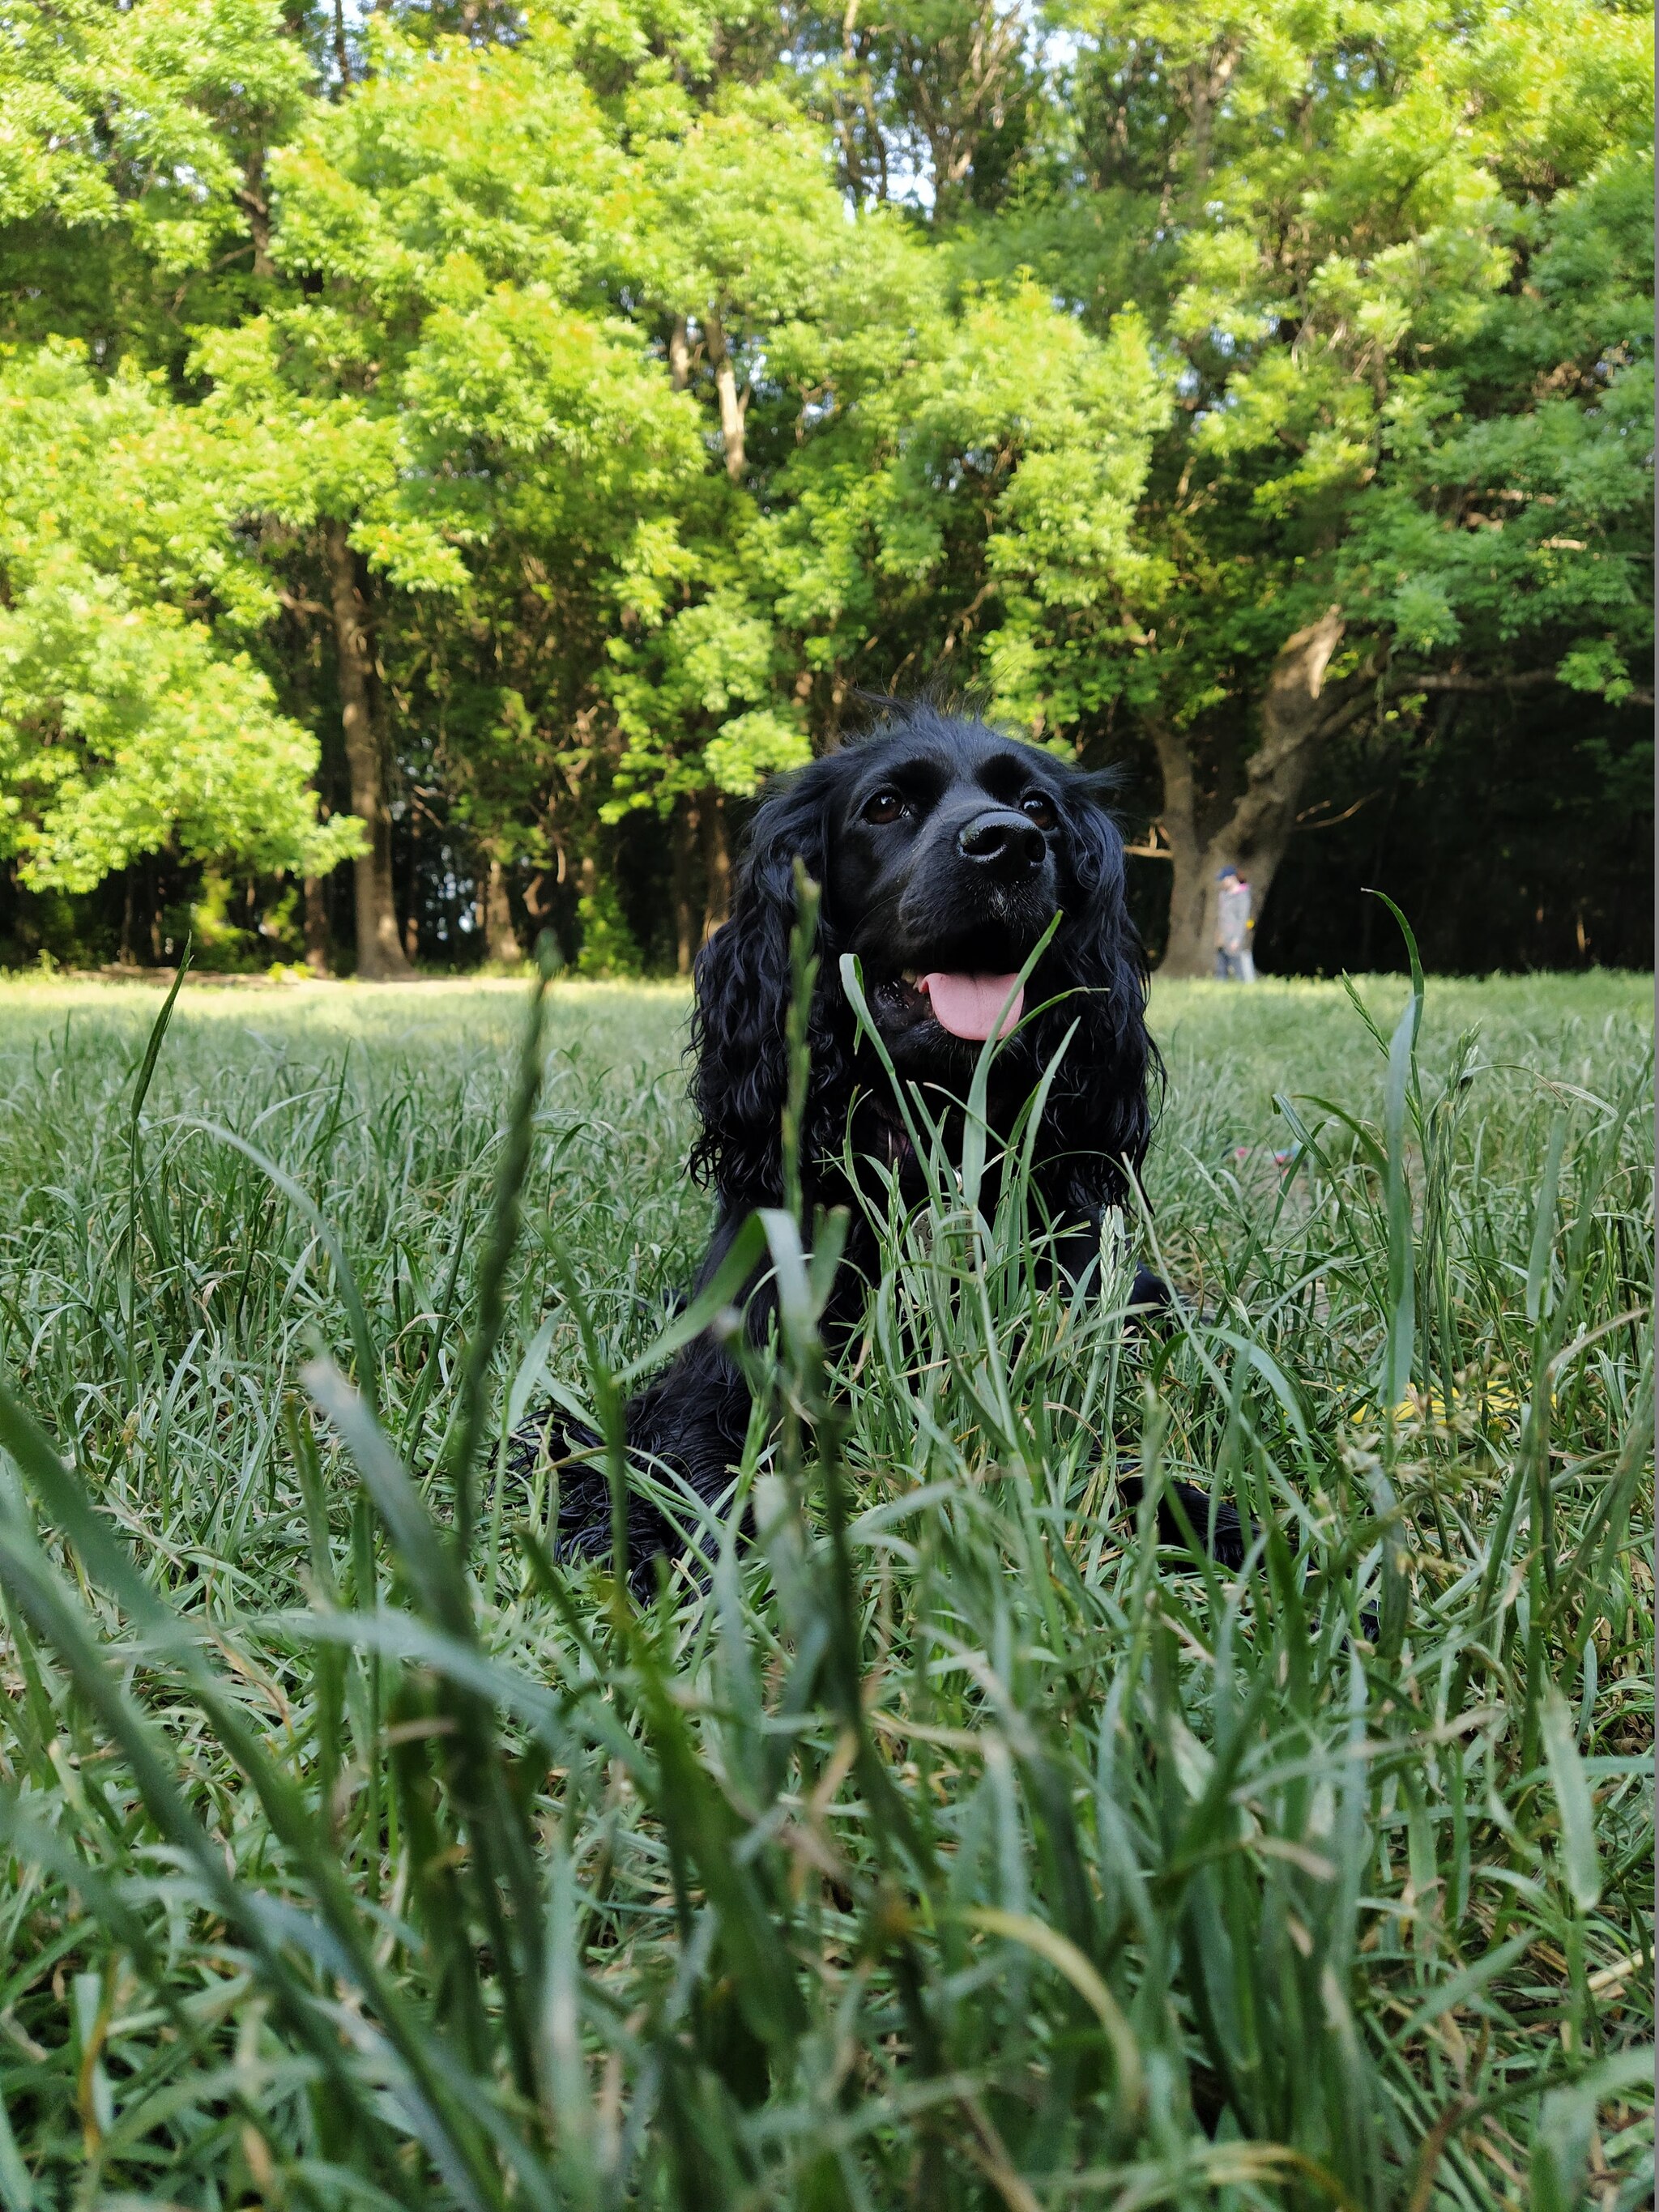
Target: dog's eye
{"points": [[1041, 810], [885, 806]]}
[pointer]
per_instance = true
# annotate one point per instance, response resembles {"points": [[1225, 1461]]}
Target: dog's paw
{"points": [[584, 1533]]}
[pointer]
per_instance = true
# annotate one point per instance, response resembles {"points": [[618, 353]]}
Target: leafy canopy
{"points": [[676, 373], [124, 721]]}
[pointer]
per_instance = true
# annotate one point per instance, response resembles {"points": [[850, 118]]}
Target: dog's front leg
{"points": [[687, 1425], [690, 1424], [692, 1420]]}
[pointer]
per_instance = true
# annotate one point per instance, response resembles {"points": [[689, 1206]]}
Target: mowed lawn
{"points": [[952, 1846], [1284, 1034]]}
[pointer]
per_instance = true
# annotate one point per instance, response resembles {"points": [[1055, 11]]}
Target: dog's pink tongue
{"points": [[968, 1005]]}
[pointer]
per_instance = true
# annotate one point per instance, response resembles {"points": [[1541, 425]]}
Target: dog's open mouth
{"points": [[973, 1006]]}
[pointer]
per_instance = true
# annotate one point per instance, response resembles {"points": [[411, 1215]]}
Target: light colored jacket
{"points": [[1232, 921]]}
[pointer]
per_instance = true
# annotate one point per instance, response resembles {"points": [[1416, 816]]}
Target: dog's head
{"points": [[945, 850]]}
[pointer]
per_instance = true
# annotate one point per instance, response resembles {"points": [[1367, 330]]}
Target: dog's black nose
{"points": [[1003, 841]]}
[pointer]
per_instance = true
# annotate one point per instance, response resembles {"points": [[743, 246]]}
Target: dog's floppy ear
{"points": [[743, 984], [1099, 1110]]}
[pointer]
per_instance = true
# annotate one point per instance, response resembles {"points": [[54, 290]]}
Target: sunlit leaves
{"points": [[128, 719]]}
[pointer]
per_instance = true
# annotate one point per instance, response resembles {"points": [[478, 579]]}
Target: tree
{"points": [[450, 379], [1395, 257], [134, 199], [130, 720], [938, 480]]}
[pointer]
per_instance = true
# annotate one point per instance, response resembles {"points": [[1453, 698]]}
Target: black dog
{"points": [[944, 851]]}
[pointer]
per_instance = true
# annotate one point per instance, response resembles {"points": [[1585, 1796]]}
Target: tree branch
{"points": [[301, 606], [1525, 679], [1348, 712], [1529, 679]]}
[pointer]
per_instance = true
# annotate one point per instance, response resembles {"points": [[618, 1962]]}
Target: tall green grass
{"points": [[948, 1846]]}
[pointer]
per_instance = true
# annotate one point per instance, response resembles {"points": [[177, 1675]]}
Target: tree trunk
{"points": [[1208, 82], [319, 949], [252, 196], [732, 404], [501, 939], [1253, 836], [379, 954], [687, 934], [716, 863], [679, 355], [1182, 946], [128, 956]]}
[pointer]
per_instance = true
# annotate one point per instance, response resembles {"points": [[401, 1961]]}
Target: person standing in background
{"points": [[1234, 962]]}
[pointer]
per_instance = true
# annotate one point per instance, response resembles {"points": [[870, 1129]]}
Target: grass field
{"points": [[952, 1846]]}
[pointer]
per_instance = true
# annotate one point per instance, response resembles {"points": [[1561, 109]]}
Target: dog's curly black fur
{"points": [[940, 844]]}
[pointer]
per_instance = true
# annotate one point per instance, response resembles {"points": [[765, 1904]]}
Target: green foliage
{"points": [[125, 724], [146, 116], [608, 948], [950, 1842], [673, 375], [1552, 535], [1405, 260]]}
